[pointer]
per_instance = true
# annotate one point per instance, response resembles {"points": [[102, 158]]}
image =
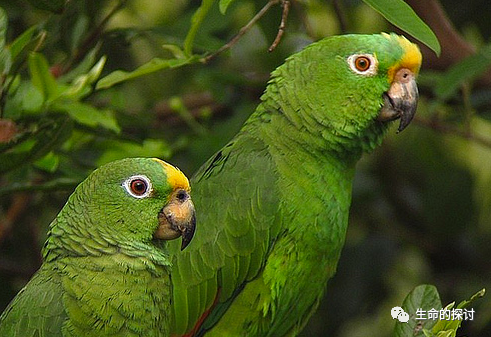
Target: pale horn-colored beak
{"points": [[401, 100]]}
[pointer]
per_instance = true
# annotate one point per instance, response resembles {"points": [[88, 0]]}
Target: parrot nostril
{"points": [[182, 196], [403, 75]]}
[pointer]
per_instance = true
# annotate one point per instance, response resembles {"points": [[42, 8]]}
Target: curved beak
{"points": [[177, 218], [401, 100]]}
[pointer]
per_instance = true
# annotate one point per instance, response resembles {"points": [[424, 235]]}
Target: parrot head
{"points": [[352, 85], [148, 197], [134, 200]]}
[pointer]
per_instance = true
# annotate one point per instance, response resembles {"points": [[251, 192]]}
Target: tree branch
{"points": [[454, 47], [90, 41], [242, 31], [338, 9], [281, 30], [437, 125]]}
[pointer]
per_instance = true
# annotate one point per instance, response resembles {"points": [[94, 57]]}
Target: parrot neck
{"points": [[118, 287], [316, 167], [277, 129], [321, 177], [314, 177], [114, 294]]}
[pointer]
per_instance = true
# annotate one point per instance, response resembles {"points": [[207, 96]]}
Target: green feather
{"points": [[103, 273], [274, 202]]}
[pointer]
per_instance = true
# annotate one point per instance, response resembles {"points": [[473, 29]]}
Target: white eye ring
{"points": [[138, 186], [363, 64]]}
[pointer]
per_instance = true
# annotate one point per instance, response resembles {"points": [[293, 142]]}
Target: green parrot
{"points": [[274, 201], [106, 268]]}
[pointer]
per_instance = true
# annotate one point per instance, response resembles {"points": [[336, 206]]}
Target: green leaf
{"points": [[223, 5], [55, 6], [47, 135], [5, 55], [81, 86], [82, 67], [67, 184], [449, 327], [5, 61], [152, 66], [466, 303], [41, 76], [119, 149], [21, 42], [48, 163], [466, 70], [88, 115], [446, 327], [401, 15], [196, 21], [3, 27], [176, 104], [423, 297], [22, 46], [177, 52], [26, 99], [80, 29]]}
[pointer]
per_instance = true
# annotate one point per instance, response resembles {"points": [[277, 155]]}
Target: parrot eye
{"points": [[363, 64], [138, 186]]}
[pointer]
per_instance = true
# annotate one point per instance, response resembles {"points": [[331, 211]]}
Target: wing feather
{"points": [[237, 215], [45, 319]]}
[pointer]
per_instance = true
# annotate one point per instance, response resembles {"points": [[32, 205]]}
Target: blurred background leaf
{"points": [[402, 15], [424, 297]]}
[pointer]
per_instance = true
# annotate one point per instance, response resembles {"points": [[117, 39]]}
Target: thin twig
{"points": [[3, 94], [436, 125], [338, 10], [468, 109], [42, 38], [60, 184], [6, 81], [5, 86], [91, 39], [281, 30], [243, 30]]}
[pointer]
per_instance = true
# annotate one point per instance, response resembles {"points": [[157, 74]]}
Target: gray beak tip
{"points": [[187, 233], [401, 100]]}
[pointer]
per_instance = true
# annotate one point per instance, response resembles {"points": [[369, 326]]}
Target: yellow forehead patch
{"points": [[411, 59], [175, 177]]}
